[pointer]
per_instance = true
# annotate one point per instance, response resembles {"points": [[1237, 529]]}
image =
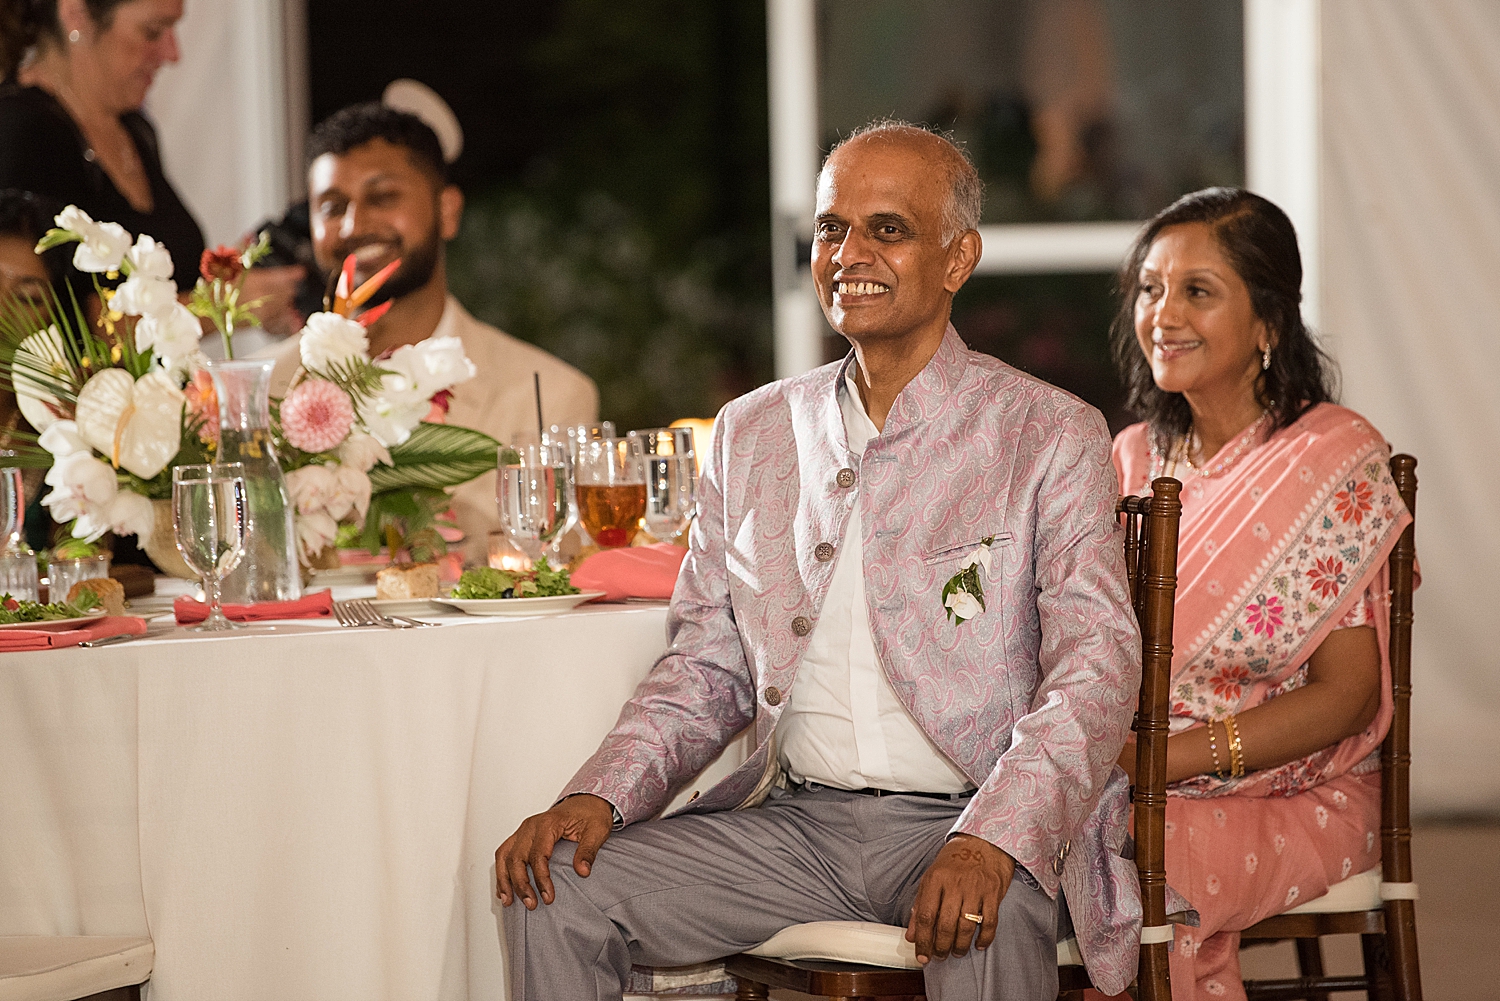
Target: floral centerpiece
{"points": [[118, 399]]}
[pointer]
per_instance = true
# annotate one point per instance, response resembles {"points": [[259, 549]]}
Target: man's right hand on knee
{"points": [[582, 818]]}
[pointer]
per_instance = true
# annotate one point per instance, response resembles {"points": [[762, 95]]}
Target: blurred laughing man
{"points": [[834, 509], [378, 189]]}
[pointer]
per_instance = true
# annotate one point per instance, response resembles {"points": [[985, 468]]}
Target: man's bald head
{"points": [[965, 195]]}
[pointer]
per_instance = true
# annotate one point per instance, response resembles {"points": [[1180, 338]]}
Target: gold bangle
{"points": [[1213, 747], [1236, 748]]}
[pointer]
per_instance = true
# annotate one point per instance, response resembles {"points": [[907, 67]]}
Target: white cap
{"points": [[416, 98]]}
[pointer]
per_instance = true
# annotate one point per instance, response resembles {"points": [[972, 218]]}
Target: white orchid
{"points": [[391, 421], [173, 335], [145, 296], [362, 451], [149, 259], [980, 557], [963, 605], [329, 339], [434, 364], [82, 491], [131, 513], [102, 244], [62, 438]]}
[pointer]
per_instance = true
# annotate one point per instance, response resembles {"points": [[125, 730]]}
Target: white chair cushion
{"points": [[863, 942], [1357, 893], [62, 967]]}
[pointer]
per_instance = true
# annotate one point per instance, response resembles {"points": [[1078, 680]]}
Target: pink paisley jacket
{"points": [[1032, 698]]}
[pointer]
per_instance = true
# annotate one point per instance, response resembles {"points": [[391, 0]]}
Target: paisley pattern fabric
{"points": [[1032, 698], [1272, 555]]}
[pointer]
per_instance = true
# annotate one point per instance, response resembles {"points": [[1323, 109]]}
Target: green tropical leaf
{"points": [[436, 456]]}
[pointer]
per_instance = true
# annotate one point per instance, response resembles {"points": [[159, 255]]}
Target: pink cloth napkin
{"points": [[37, 639], [318, 605], [632, 572]]}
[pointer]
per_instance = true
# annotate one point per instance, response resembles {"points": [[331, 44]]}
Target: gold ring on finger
{"points": [[978, 919]]}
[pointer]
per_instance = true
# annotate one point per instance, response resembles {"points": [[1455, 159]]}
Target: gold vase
{"points": [[162, 544]]}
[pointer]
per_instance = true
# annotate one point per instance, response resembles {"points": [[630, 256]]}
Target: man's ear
{"points": [[963, 258], [72, 15], [451, 208]]}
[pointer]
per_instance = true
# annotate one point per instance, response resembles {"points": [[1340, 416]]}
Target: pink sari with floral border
{"points": [[1275, 553]]}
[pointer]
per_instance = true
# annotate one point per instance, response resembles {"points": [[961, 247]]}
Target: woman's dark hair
{"points": [[1261, 245], [24, 23], [29, 216]]}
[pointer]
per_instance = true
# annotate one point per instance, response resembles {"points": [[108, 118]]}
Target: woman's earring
{"points": [[74, 36], [1265, 358]]}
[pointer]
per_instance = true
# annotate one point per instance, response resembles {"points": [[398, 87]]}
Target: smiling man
{"points": [[378, 189], [921, 759]]}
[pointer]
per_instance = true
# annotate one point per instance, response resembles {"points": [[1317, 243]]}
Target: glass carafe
{"points": [[268, 571]]}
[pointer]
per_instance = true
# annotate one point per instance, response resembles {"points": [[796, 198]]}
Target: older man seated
{"points": [[906, 575]]}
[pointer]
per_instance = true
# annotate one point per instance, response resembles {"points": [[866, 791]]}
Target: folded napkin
{"points": [[318, 605], [37, 639], [632, 572]]}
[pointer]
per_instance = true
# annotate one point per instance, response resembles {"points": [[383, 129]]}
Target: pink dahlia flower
{"points": [[317, 416]]}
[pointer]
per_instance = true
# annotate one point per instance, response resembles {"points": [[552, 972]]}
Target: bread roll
{"points": [[407, 580], [109, 592]]}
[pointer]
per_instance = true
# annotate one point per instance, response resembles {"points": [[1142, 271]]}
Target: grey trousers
{"points": [[693, 889]]}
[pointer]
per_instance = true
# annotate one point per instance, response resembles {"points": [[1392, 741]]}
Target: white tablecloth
{"points": [[302, 812]]}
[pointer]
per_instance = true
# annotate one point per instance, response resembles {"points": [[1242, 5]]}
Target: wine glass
{"points": [[671, 479], [18, 576], [208, 518], [610, 481], [532, 492]]}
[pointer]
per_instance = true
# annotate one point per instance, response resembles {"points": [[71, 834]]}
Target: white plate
{"points": [[408, 606], [520, 606], [352, 573], [55, 625]]}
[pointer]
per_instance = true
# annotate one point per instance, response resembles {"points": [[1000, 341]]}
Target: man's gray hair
{"points": [[965, 201]]}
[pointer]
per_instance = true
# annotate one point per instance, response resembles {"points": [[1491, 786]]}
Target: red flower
{"points": [[1354, 501], [1230, 682], [222, 262], [1328, 576], [1264, 616]]}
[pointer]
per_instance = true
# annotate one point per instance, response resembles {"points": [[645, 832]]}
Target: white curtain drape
{"points": [[1411, 309], [228, 113]]}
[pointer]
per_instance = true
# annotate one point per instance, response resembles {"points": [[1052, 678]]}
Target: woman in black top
{"points": [[75, 74]]}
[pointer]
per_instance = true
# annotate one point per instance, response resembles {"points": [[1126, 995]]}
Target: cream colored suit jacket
{"points": [[498, 401]]}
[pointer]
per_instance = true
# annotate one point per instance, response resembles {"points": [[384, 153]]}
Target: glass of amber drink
{"points": [[610, 481]]}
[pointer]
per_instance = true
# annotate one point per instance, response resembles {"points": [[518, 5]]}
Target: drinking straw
{"points": [[536, 383]]}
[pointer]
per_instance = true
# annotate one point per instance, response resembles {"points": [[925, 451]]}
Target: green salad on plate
{"points": [[541, 581]]}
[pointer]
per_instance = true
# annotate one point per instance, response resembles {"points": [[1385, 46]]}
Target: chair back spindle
{"points": [[1151, 525]]}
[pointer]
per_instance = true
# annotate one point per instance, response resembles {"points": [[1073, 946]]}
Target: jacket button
{"points": [[801, 625], [845, 477], [824, 552], [773, 696]]}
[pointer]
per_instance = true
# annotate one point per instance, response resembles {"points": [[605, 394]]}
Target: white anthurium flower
{"points": [[362, 451], [37, 356], [311, 488], [329, 339], [964, 605], [136, 422], [172, 335], [145, 297], [980, 556], [149, 259], [315, 532], [130, 513], [62, 438], [351, 493]]}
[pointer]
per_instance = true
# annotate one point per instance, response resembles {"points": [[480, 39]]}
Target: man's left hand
{"points": [[969, 877]]}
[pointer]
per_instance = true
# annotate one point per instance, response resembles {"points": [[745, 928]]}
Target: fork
{"points": [[368, 612], [348, 616]]}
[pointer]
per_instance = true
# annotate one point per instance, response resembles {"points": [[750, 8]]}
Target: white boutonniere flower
{"points": [[963, 595]]}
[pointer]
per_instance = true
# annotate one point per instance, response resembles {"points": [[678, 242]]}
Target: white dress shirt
{"points": [[843, 725]]}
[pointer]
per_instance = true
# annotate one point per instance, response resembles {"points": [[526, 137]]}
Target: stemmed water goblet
{"points": [[534, 496], [671, 479], [18, 576], [208, 519]]}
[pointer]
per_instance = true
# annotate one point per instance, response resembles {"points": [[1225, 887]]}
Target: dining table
{"points": [[300, 810]]}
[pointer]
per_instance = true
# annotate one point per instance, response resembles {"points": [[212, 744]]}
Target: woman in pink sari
{"points": [[1280, 676]]}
